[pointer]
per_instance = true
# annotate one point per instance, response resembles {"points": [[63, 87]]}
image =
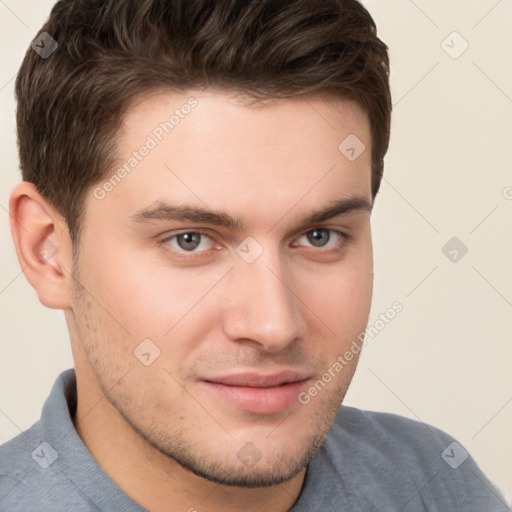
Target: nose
{"points": [[263, 306]]}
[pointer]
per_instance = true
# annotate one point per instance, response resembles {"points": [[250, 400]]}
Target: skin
{"points": [[158, 431]]}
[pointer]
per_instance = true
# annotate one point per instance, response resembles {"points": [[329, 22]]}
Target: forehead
{"points": [[217, 113], [212, 149]]}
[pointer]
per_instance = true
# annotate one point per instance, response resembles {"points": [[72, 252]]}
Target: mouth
{"points": [[259, 393]]}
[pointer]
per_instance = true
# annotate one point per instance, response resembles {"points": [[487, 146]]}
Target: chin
{"points": [[250, 473]]}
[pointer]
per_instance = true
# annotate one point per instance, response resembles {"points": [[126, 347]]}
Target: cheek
{"points": [[148, 299], [340, 294]]}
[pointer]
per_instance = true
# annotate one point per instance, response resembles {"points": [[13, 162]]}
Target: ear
{"points": [[43, 245]]}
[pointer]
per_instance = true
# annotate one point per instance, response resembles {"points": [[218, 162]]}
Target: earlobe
{"points": [[42, 244]]}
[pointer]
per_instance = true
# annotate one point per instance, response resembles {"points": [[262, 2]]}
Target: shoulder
{"points": [[15, 454], [412, 458], [32, 473], [17, 461], [387, 428], [384, 439], [32, 479]]}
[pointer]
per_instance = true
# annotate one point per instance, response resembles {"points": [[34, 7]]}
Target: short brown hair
{"points": [[71, 104]]}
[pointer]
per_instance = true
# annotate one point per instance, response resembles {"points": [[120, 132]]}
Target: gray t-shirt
{"points": [[368, 462]]}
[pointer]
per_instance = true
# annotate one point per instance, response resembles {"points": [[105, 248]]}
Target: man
{"points": [[198, 179]]}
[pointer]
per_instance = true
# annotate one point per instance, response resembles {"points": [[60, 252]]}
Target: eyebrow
{"points": [[161, 210]]}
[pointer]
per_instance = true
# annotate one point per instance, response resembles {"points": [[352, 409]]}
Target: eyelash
{"points": [[344, 237]]}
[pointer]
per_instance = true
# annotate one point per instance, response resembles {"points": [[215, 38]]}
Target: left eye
{"points": [[320, 237], [188, 241]]}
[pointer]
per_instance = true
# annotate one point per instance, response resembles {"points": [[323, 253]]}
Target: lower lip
{"points": [[259, 400]]}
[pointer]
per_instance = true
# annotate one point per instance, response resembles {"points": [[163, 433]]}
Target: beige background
{"points": [[446, 358]]}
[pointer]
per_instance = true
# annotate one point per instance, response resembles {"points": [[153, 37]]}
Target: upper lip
{"points": [[260, 380]]}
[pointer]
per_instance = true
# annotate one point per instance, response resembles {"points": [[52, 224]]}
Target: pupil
{"points": [[318, 236], [191, 240]]}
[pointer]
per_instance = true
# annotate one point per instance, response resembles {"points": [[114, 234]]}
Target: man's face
{"points": [[239, 322]]}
